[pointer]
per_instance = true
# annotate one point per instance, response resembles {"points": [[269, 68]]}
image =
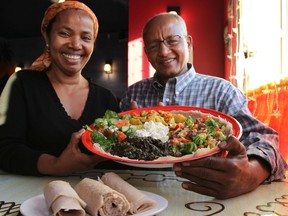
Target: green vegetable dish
{"points": [[152, 134]]}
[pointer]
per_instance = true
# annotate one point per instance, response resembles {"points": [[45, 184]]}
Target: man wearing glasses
{"points": [[252, 160]]}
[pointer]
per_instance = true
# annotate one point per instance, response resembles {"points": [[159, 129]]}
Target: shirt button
{"points": [[177, 93]]}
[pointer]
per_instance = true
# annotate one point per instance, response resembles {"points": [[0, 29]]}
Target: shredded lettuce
{"points": [[189, 121], [98, 137], [109, 114], [100, 122], [200, 138]]}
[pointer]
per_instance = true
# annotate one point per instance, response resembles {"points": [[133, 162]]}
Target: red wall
{"points": [[205, 21]]}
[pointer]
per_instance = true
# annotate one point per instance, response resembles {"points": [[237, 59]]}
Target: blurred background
{"points": [[20, 23]]}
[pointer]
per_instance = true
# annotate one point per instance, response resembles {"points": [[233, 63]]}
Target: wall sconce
{"points": [[17, 69], [55, 1], [173, 9], [108, 67]]}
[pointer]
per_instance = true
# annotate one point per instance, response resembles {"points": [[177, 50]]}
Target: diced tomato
{"points": [[179, 125], [122, 122], [218, 129], [195, 126], [176, 126], [121, 136], [93, 127], [204, 118], [174, 141], [184, 140]]}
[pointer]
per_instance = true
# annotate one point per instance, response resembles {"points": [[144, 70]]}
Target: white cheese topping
{"points": [[154, 129]]}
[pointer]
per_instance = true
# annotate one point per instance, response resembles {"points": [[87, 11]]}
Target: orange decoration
{"points": [[269, 104]]}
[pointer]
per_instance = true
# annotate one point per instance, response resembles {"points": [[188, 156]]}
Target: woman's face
{"points": [[168, 61], [71, 41]]}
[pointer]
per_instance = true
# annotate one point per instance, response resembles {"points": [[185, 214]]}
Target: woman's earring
{"points": [[47, 48]]}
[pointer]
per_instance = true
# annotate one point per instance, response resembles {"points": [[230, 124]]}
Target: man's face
{"points": [[167, 47]]}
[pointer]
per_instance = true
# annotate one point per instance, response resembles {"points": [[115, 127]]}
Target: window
{"points": [[262, 44]]}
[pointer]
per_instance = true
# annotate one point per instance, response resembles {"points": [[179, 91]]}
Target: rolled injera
{"points": [[62, 199], [101, 199], [139, 201]]}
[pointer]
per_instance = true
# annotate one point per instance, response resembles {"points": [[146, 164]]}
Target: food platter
{"points": [[167, 161]]}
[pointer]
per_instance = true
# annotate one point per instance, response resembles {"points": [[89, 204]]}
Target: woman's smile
{"points": [[71, 56]]}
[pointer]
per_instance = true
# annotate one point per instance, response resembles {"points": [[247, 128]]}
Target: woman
{"points": [[42, 113]]}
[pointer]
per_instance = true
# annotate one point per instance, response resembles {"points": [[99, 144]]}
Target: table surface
{"points": [[267, 199]]}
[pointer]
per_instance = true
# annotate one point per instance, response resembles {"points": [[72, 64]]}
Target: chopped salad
{"points": [[184, 133]]}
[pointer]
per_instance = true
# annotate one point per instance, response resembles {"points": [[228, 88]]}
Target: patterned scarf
{"points": [[44, 61]]}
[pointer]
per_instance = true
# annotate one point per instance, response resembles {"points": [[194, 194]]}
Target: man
{"points": [[253, 159]]}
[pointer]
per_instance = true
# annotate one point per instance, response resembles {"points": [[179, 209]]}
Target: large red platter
{"points": [[167, 161]]}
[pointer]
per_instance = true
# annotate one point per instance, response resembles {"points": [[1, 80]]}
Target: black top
{"points": [[35, 120], [3, 81]]}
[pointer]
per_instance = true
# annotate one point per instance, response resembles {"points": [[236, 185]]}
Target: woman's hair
{"points": [[52, 12], [52, 21], [49, 26]]}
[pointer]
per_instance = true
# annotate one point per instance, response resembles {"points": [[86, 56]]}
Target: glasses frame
{"points": [[170, 41]]}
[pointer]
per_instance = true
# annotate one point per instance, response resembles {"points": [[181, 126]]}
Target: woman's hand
{"points": [[223, 177], [71, 159]]}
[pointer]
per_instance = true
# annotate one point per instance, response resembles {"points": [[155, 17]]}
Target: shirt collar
{"points": [[188, 75], [181, 80], [156, 83]]}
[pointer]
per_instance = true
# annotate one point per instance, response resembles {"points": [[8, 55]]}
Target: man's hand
{"points": [[134, 105], [223, 177]]}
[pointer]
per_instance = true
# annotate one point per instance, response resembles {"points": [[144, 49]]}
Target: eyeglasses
{"points": [[170, 41]]}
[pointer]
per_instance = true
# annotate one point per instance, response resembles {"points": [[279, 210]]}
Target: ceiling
{"points": [[22, 18]]}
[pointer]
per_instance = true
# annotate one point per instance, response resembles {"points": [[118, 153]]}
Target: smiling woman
{"points": [[52, 100], [50, 18], [70, 40]]}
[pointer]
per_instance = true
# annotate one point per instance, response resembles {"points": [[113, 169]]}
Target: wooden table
{"points": [[268, 199]]}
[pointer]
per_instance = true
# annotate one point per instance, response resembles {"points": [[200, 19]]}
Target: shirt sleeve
{"points": [[125, 101], [15, 155], [260, 140]]}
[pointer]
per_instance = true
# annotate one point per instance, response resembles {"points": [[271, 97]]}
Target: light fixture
{"points": [[57, 1], [108, 67], [173, 10], [17, 69]]}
